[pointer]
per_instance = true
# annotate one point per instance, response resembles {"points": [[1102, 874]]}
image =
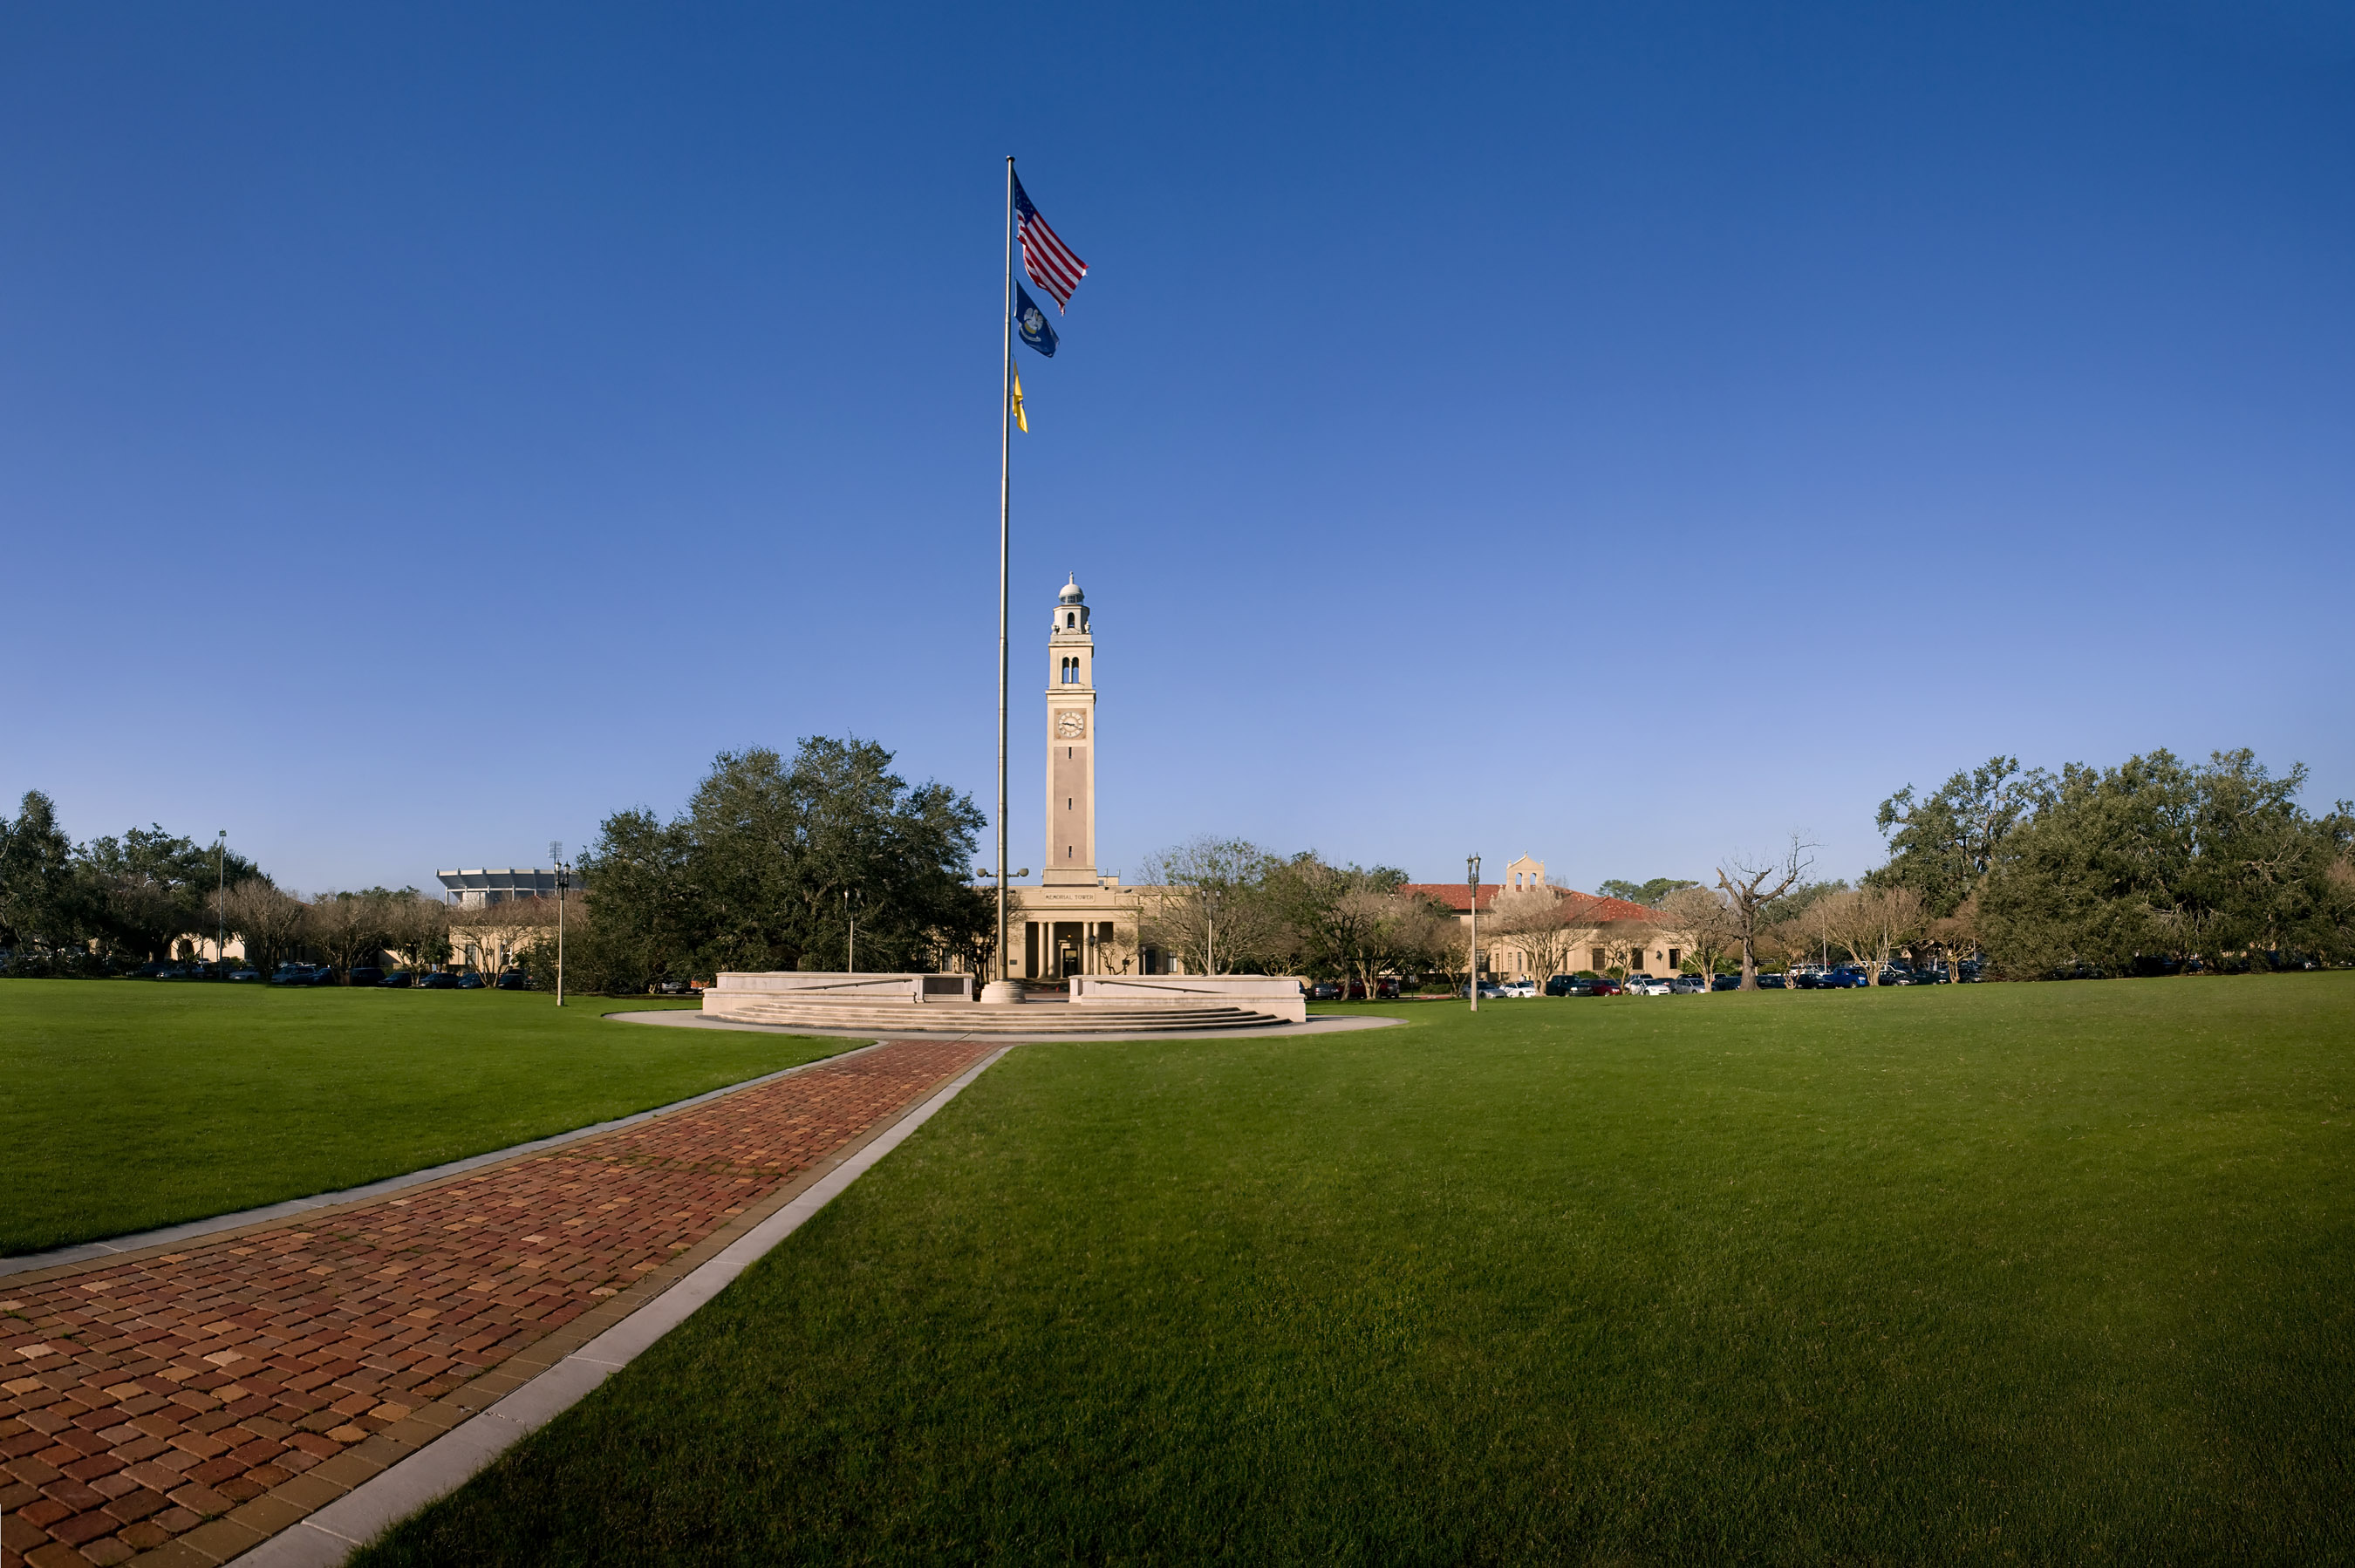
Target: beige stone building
{"points": [[1587, 931]]}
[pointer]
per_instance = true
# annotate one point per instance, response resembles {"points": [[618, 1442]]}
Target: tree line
{"points": [[2146, 867], [2149, 867], [71, 909]]}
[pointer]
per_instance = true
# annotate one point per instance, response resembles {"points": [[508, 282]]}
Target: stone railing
{"points": [[810, 985], [1277, 996]]}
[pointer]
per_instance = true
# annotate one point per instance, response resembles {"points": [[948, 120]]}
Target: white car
{"points": [[1517, 990], [1646, 985]]}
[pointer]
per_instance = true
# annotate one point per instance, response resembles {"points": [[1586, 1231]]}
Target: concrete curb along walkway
{"points": [[330, 1535], [194, 1229], [191, 1405]]}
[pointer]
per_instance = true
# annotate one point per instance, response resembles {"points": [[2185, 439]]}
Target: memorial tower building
{"points": [[1070, 745]]}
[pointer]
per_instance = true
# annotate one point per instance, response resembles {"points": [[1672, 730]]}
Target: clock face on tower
{"points": [[1072, 724]]}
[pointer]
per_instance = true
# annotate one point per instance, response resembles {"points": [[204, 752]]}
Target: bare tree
{"points": [[1956, 935], [270, 923], [1871, 922], [1696, 919], [491, 937], [417, 930], [1751, 891], [1622, 942], [1533, 921], [1383, 930], [1209, 904], [347, 928]]}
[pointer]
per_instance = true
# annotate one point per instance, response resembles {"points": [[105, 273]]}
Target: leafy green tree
{"points": [[38, 904], [1650, 895], [1943, 846], [2119, 869], [142, 890], [752, 875], [1350, 921]]}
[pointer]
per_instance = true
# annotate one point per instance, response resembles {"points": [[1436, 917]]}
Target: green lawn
{"points": [[2026, 1273], [125, 1104]]}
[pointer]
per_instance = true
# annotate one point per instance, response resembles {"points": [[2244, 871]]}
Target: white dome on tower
{"points": [[1070, 594]]}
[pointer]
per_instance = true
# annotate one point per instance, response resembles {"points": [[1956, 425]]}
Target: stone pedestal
{"points": [[1001, 991]]}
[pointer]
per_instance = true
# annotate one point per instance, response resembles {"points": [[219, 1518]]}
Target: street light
{"points": [[220, 906], [851, 913], [563, 880], [1472, 881]]}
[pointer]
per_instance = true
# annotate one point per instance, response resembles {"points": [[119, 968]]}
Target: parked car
{"points": [[1843, 978], [672, 989], [1383, 990], [364, 975], [1726, 983], [398, 977], [245, 972], [293, 974], [470, 981], [1646, 985], [1325, 991], [1688, 985], [1568, 986], [1771, 983], [1607, 987], [437, 982], [1517, 990], [1490, 990], [514, 980]]}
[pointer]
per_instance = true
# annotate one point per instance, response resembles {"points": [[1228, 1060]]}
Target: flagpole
{"points": [[1005, 499]]}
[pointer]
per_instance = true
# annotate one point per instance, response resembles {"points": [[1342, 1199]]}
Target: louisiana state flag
{"points": [[1032, 323]]}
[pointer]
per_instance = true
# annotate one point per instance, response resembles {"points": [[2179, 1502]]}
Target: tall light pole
{"points": [[1472, 880], [851, 913], [563, 880], [220, 907]]}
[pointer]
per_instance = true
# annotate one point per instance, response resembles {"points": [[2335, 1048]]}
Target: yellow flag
{"points": [[1020, 423]]}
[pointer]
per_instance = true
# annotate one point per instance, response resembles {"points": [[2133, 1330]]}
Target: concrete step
{"points": [[1042, 1017]]}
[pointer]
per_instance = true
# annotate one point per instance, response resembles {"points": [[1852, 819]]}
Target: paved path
{"points": [[186, 1404]]}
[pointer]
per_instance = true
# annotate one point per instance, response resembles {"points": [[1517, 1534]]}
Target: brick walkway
{"points": [[141, 1398]]}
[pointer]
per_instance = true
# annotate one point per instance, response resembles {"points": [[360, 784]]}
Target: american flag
{"points": [[1045, 257]]}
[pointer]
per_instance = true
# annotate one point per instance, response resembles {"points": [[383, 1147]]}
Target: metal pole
{"points": [[1005, 500], [556, 855], [220, 908], [1472, 878]]}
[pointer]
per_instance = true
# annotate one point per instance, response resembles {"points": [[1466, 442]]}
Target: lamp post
{"points": [[220, 905], [1472, 881], [851, 913], [563, 880]]}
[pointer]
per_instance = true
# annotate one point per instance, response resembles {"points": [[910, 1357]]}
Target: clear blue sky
{"points": [[1621, 433]]}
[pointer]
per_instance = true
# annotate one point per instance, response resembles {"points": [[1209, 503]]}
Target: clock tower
{"points": [[1071, 743]]}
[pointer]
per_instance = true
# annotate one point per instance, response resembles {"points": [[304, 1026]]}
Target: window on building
{"points": [[1601, 960], [1674, 955], [1071, 618]]}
